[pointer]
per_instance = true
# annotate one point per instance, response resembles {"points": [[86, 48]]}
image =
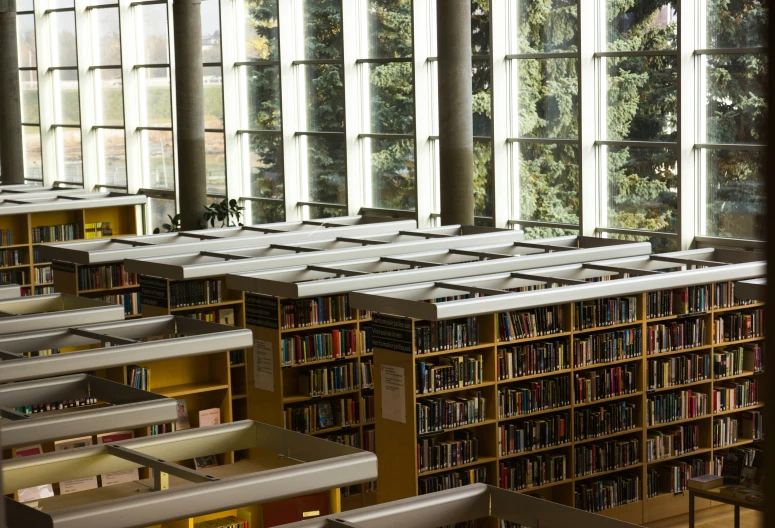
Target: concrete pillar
{"points": [[11, 143], [456, 125], [192, 181]]}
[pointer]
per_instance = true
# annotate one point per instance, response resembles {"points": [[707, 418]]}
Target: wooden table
{"points": [[715, 495]]}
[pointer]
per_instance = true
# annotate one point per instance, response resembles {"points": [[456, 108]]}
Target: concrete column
{"points": [[11, 143], [192, 181], [456, 125]]}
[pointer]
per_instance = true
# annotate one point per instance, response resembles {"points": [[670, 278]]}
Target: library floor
{"points": [[717, 517]]}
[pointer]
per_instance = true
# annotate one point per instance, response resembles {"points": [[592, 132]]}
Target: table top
{"points": [[738, 499]]}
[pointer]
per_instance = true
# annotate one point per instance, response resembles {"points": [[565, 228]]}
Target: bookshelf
{"points": [[56, 310], [278, 384], [286, 464], [558, 426], [31, 221]]}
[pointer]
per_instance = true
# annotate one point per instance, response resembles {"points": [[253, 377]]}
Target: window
{"points": [[28, 83]]}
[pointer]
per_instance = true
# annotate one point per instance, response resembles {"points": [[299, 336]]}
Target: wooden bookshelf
{"points": [[399, 353]]}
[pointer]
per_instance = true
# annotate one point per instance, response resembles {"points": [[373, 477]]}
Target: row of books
{"points": [[610, 455], [736, 394], [725, 297], [130, 301], [6, 237], [605, 312], [599, 384], [42, 352], [445, 335], [733, 361], [329, 380], [195, 293], [11, 257], [56, 405], [738, 456], [223, 316], [300, 313], [13, 277], [678, 370], [674, 477], [607, 493], [595, 422], [673, 406], [97, 230], [675, 335], [349, 439], [531, 471], [138, 377], [57, 233], [737, 326], [438, 414], [533, 358], [103, 277], [369, 412], [40, 290], [672, 442], [681, 301], [529, 435], [224, 522], [605, 347], [43, 274], [236, 357], [433, 454], [336, 344], [532, 323], [453, 479], [449, 372], [534, 396], [728, 430], [326, 414]]}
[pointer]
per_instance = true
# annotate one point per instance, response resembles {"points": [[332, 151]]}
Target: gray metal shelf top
{"points": [[117, 407], [66, 201], [120, 343], [558, 285], [106, 250], [752, 289], [56, 310], [346, 276], [459, 505], [267, 256], [10, 291], [294, 464]]}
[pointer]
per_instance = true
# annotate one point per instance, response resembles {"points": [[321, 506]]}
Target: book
{"points": [[117, 477], [205, 461], [209, 417], [705, 482], [182, 422], [80, 484], [36, 492], [226, 316], [325, 415]]}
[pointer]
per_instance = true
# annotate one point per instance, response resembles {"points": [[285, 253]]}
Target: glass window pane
{"points": [[59, 4], [548, 183], [213, 91], [152, 41], [325, 97], [159, 212], [545, 27], [211, 31], [63, 35], [548, 98], [25, 36], [263, 98], [736, 198], [68, 110], [482, 98], [103, 2], [112, 156], [215, 163], [70, 154], [265, 159], [28, 81], [109, 100], [393, 176], [736, 98], [658, 244], [155, 97], [261, 36], [106, 48], [391, 98], [531, 233], [480, 26], [326, 173], [737, 24], [641, 25], [33, 158], [319, 211], [483, 178], [642, 95], [24, 5], [158, 156], [322, 29], [642, 188], [264, 212], [390, 29]]}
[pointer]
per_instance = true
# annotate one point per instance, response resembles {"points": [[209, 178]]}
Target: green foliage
{"points": [[227, 212], [173, 226]]}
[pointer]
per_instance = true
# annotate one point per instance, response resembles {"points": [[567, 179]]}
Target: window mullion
{"points": [[423, 111], [588, 117], [288, 22], [687, 106], [236, 174], [499, 41], [48, 142], [354, 23], [87, 101]]}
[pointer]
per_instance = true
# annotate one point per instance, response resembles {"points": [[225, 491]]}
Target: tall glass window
{"points": [[481, 68], [28, 82], [215, 148]]}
